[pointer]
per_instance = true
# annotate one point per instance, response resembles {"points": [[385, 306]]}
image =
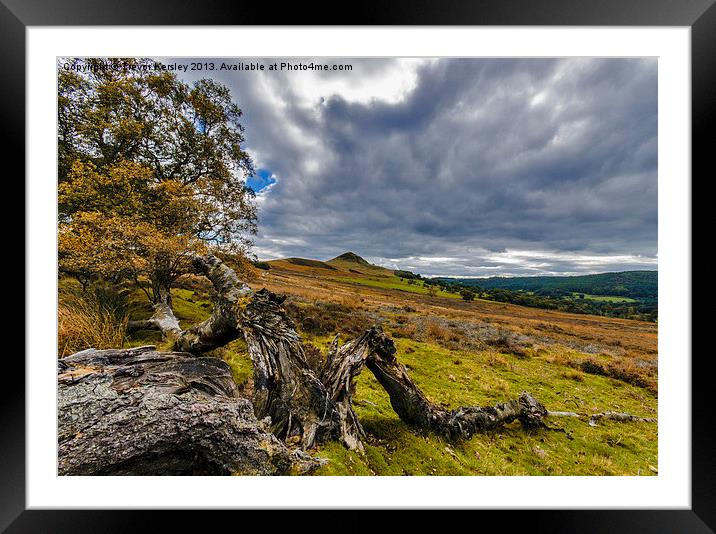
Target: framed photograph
{"points": [[433, 259]]}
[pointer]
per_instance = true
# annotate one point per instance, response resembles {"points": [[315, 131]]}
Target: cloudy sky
{"points": [[471, 167]]}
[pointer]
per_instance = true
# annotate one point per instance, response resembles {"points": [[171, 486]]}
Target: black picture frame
{"points": [[699, 15]]}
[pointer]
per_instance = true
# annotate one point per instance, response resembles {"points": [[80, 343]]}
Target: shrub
{"points": [[623, 369], [507, 344], [408, 331], [437, 331], [495, 360], [324, 318]]}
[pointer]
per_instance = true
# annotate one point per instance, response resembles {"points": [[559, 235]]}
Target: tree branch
{"points": [[413, 407], [219, 329], [222, 326]]}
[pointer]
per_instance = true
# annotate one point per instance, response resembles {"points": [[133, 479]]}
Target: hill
{"points": [[353, 263], [630, 284], [310, 263], [350, 257]]}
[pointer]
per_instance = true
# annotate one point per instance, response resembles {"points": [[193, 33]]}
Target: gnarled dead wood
{"points": [[216, 331], [413, 407], [163, 318], [621, 417], [285, 387], [143, 412], [342, 366], [222, 326]]}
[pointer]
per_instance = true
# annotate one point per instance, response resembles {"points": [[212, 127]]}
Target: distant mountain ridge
{"points": [[632, 284], [310, 263], [349, 263]]}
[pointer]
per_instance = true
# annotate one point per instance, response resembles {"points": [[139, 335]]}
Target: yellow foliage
{"points": [[122, 247]]}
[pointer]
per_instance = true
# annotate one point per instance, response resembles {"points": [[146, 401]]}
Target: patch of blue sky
{"points": [[263, 179]]}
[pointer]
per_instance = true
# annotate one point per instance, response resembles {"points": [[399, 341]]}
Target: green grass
{"points": [[483, 379], [236, 355]]}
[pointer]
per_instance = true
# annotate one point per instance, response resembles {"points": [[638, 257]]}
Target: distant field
{"points": [[604, 298]]}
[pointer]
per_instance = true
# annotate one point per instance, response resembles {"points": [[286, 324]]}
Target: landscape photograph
{"points": [[357, 266]]}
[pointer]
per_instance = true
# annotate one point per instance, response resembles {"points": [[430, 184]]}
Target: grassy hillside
{"points": [[459, 378], [354, 264], [349, 268], [452, 370], [461, 353]]}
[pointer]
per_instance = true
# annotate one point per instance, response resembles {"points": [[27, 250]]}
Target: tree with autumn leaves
{"points": [[151, 173]]}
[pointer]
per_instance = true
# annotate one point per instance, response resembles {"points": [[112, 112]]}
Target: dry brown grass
{"points": [[89, 319], [409, 331], [574, 375], [507, 344], [495, 360], [437, 332]]}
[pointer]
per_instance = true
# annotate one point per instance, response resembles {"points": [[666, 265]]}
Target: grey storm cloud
{"points": [[469, 167]]}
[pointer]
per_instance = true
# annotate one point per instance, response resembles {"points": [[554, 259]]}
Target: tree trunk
{"points": [[342, 366], [142, 412], [163, 318], [285, 387]]}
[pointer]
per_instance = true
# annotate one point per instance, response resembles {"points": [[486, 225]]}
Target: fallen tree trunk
{"points": [[143, 412], [312, 410], [285, 388], [413, 407]]}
